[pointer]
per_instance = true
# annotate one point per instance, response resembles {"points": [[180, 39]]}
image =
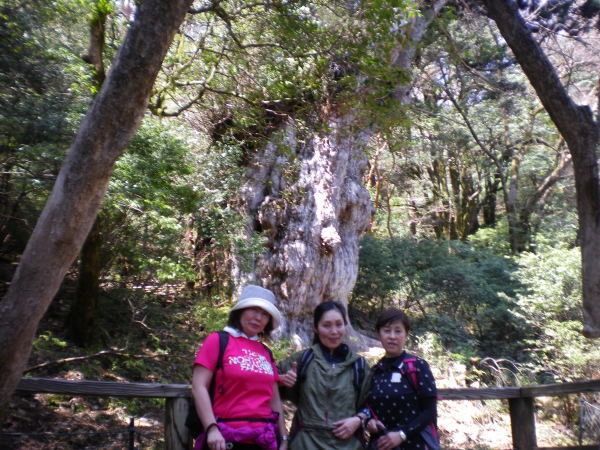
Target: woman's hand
{"points": [[289, 378], [215, 440], [375, 426], [345, 428], [389, 440]]}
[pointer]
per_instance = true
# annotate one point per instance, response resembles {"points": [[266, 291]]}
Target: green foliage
{"points": [[47, 343], [136, 407], [42, 96], [455, 338], [221, 236], [102, 8], [254, 65], [479, 147], [560, 222], [429, 343], [149, 196], [56, 400], [264, 56], [214, 317], [552, 307], [380, 29], [494, 239], [466, 295]]}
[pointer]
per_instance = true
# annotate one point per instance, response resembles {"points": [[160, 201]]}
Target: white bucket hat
{"points": [[263, 298]]}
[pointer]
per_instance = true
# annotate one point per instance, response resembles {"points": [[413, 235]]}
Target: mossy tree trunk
{"points": [[312, 208], [81, 324], [81, 321]]}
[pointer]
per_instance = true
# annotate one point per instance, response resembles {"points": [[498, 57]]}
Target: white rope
{"points": [[589, 422]]}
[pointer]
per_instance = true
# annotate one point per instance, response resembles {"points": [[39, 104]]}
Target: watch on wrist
{"points": [[367, 413], [362, 420], [285, 437]]}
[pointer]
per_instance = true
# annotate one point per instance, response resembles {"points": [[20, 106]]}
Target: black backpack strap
{"points": [[223, 339], [305, 359], [360, 366]]}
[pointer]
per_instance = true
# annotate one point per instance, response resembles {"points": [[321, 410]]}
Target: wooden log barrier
{"points": [[177, 437]]}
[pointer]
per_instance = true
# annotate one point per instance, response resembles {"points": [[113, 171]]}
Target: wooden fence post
{"points": [[522, 423], [177, 435]]}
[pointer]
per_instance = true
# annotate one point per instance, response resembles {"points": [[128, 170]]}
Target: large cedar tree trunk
{"points": [[81, 184], [312, 202], [313, 207], [577, 125]]}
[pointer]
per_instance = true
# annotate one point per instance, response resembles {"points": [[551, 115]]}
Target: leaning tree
{"points": [[580, 130], [81, 184]]}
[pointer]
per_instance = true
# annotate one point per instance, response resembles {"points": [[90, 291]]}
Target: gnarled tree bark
{"points": [[312, 250]]}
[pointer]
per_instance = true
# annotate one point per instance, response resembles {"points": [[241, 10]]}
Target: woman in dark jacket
{"points": [[403, 395]]}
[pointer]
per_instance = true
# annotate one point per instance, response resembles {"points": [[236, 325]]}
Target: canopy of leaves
{"points": [[150, 195], [42, 97]]}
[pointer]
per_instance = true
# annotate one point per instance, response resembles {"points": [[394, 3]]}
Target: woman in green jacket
{"points": [[327, 382]]}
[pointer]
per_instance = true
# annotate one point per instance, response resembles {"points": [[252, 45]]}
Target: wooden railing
{"points": [[520, 402]]}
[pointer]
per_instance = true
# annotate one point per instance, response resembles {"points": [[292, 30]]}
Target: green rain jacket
{"points": [[325, 395]]}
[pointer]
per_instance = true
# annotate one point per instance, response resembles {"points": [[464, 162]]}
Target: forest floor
{"points": [[52, 421]]}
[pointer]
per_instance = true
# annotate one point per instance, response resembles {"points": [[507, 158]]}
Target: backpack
{"points": [[359, 367], [430, 433], [192, 421]]}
